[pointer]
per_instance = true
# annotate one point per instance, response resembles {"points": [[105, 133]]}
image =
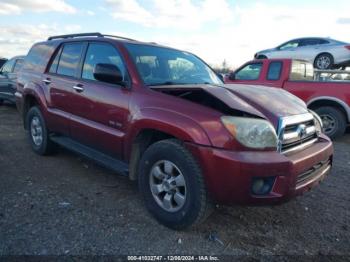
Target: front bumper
{"points": [[229, 174]]}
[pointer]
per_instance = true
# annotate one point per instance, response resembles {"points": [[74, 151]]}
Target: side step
{"points": [[88, 152]]}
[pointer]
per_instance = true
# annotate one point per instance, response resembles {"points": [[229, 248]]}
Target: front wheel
{"points": [[172, 185], [334, 121], [38, 133]]}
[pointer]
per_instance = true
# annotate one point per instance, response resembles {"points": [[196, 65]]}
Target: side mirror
{"points": [[108, 73], [232, 76]]}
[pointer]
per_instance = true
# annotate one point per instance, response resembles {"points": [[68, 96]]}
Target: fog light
{"points": [[262, 185]]}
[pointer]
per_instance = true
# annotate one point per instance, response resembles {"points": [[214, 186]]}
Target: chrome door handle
{"points": [[78, 88], [47, 81]]}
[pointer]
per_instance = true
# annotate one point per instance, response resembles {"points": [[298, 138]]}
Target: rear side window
{"points": [[38, 57], [249, 72], [69, 60], [274, 72], [101, 54]]}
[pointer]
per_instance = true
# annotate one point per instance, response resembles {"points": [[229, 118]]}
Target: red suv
{"points": [[163, 117]]}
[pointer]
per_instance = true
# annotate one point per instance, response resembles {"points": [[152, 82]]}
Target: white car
{"points": [[324, 53]]}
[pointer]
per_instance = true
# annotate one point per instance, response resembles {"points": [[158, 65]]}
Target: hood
{"points": [[272, 102], [267, 51], [260, 101]]}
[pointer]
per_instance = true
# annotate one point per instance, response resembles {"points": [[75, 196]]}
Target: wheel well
{"points": [[29, 102], [325, 102], [142, 141]]}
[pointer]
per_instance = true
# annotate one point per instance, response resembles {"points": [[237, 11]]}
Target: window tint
{"points": [[18, 65], [249, 72], [322, 42], [101, 53], [69, 60], [8, 66], [38, 57], [274, 71], [54, 65]]}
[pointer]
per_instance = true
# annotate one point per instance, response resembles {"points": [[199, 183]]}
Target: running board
{"points": [[88, 152]]}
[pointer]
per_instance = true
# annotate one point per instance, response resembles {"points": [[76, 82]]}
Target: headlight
{"points": [[318, 122], [251, 132]]}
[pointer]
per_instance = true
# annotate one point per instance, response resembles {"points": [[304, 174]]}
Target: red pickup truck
{"points": [[330, 99], [163, 117]]}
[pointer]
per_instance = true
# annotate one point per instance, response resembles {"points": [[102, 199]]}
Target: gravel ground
{"points": [[63, 204]]}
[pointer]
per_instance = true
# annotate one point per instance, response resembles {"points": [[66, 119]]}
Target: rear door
{"points": [[60, 79], [100, 110]]}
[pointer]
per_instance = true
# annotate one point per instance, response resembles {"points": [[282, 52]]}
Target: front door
{"points": [[100, 110]]}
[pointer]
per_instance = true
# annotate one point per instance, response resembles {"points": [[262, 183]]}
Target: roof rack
{"points": [[86, 35]]}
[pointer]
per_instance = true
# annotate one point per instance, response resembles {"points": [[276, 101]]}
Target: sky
{"points": [[215, 30]]}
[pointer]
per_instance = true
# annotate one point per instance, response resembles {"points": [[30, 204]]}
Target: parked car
{"points": [[8, 78], [162, 116], [329, 98], [2, 61], [323, 53]]}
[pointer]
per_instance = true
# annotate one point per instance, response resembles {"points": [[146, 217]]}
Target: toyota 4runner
{"points": [[163, 117]]}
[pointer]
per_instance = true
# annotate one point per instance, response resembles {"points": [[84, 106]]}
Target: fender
{"points": [[334, 99], [167, 121]]}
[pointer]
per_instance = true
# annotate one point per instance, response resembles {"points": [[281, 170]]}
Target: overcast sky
{"points": [[213, 29]]}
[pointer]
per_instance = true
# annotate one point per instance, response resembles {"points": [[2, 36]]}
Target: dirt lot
{"points": [[63, 204]]}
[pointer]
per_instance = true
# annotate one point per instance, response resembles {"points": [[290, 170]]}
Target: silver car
{"points": [[324, 53]]}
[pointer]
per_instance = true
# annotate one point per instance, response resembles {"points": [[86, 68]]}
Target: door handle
{"points": [[78, 88], [47, 81]]}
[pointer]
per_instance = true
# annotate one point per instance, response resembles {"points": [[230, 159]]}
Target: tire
{"points": [[324, 61], [195, 207], [1, 102], [334, 121], [36, 127]]}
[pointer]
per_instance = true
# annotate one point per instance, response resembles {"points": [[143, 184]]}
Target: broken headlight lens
{"points": [[251, 132]]}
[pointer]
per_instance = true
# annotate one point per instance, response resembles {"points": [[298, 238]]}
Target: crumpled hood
{"points": [[267, 102]]}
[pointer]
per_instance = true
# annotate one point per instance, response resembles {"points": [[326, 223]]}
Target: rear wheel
{"points": [[324, 61], [38, 133], [334, 121], [1, 102], [172, 185]]}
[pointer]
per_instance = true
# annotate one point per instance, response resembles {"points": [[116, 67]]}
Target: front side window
{"points": [[289, 45], [69, 59], [166, 66], [274, 72], [8, 66], [249, 72], [18, 65], [101, 54]]}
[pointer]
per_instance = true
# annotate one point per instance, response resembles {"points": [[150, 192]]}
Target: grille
{"points": [[314, 172], [297, 132]]}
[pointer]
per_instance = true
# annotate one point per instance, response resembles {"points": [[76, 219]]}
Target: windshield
{"points": [[165, 66]]}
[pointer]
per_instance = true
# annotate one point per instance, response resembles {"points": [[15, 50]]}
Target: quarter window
{"points": [[69, 60], [101, 54], [274, 72], [249, 72]]}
